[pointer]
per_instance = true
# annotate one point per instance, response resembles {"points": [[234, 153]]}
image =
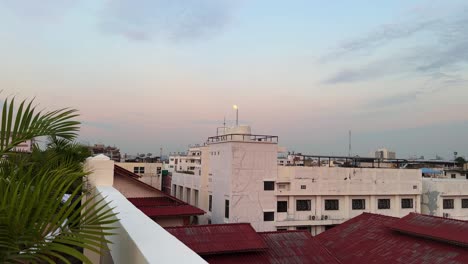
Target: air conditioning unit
{"points": [[446, 215], [326, 217], [323, 217], [311, 217]]}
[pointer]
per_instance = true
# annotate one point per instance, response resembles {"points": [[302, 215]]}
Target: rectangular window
{"points": [[268, 185], [195, 192], [303, 205], [210, 202], [331, 204], [383, 203], [268, 216], [174, 190], [453, 176], [138, 169], [303, 187], [282, 206], [464, 203], [359, 204], [448, 204], [406, 203], [226, 209], [281, 229]]}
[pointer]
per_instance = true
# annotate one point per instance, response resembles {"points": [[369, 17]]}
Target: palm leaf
{"points": [[22, 124]]}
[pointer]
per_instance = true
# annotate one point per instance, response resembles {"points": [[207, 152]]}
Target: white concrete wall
{"points": [[252, 164], [344, 185], [138, 239], [436, 190]]}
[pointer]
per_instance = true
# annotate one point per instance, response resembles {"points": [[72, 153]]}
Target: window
{"points": [[195, 192], [303, 205], [331, 204], [303, 187], [268, 216], [281, 206], [453, 175], [359, 204], [383, 203], [210, 202], [269, 185], [281, 229], [448, 204], [138, 169], [209, 221], [464, 203], [226, 208], [406, 203], [174, 190]]}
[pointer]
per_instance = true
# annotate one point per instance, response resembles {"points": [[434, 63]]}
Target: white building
{"points": [[445, 198], [150, 172], [240, 181], [384, 153]]}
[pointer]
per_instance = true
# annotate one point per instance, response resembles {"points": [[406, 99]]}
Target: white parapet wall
{"points": [[137, 239]]}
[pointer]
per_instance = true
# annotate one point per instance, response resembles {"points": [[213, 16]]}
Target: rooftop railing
{"points": [[243, 137]]}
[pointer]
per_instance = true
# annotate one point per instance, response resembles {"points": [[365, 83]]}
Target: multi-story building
{"points": [[240, 181], [445, 198], [384, 153]]}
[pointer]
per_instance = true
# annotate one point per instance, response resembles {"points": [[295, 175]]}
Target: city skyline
{"points": [[166, 73]]}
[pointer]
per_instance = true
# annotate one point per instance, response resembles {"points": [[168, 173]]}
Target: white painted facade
{"points": [[343, 187], [150, 172], [445, 198], [235, 169]]}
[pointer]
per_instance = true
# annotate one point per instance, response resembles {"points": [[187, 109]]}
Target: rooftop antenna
{"points": [[349, 143], [224, 125], [237, 114]]}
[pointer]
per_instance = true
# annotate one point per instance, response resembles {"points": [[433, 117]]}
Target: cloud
{"points": [[175, 20], [443, 57]]}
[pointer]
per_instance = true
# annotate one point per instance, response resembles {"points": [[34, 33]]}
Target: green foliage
{"points": [[35, 225], [460, 161]]}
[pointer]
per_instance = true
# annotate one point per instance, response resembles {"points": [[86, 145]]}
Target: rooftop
{"points": [[163, 206], [372, 238], [239, 243], [222, 238]]}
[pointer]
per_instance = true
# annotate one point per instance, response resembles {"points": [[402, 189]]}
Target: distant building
{"points": [[384, 153], [150, 173], [112, 152], [236, 177], [25, 146]]}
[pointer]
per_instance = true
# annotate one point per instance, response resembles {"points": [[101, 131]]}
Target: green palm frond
{"points": [[25, 123], [36, 226]]}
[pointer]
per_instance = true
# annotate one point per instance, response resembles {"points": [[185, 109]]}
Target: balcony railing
{"points": [[243, 137]]}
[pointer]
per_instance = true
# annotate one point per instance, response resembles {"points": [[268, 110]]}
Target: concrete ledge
{"points": [[139, 239]]}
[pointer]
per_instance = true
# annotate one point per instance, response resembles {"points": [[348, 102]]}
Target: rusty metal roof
{"points": [[432, 227], [217, 239], [369, 238]]}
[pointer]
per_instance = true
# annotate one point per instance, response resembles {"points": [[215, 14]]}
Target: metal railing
{"points": [[243, 137]]}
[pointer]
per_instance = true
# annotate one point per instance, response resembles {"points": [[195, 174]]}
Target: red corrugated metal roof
{"points": [[437, 228], [153, 201], [283, 247], [165, 206], [367, 238], [166, 211], [216, 239]]}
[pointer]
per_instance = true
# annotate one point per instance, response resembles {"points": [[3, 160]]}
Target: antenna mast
{"points": [[349, 142]]}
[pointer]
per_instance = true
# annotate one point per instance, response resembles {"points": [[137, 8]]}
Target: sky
{"points": [[154, 74]]}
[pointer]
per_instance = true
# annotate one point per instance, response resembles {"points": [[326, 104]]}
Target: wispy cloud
{"points": [[441, 57], [176, 20]]}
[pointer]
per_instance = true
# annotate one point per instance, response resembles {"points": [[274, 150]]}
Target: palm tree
{"points": [[37, 223]]}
